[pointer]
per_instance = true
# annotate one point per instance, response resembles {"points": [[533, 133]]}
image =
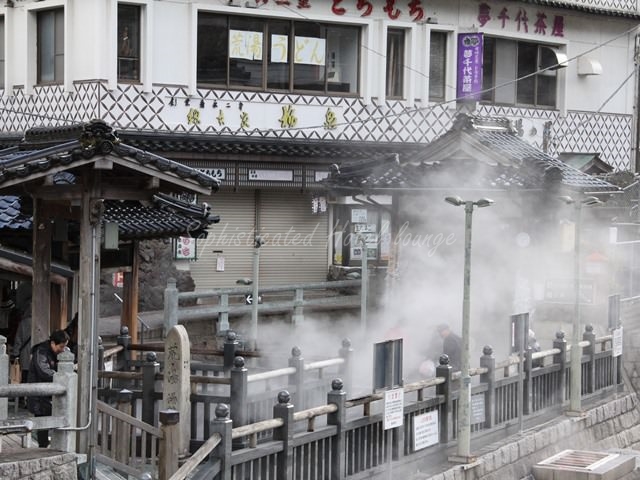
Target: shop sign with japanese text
{"points": [[469, 66]]}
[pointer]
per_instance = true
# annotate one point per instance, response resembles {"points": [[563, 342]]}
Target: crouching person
{"points": [[44, 363]]}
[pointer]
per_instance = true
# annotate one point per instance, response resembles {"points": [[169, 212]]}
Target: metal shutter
{"points": [[233, 235], [302, 256]]}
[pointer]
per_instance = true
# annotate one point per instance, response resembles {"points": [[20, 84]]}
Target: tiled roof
{"points": [[235, 145], [509, 163], [50, 149], [60, 153], [164, 217]]}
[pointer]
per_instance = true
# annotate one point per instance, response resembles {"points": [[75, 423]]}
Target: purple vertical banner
{"points": [[469, 66]]}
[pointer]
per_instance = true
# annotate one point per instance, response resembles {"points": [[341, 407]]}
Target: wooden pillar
{"points": [[59, 306], [41, 296], [130, 295], [88, 312]]}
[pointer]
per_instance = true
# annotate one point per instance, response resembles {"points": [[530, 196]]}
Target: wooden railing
{"points": [[223, 303], [358, 444], [133, 447]]}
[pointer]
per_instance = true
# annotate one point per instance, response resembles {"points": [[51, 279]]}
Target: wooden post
{"points": [[296, 380], [177, 381], [41, 296], [338, 418], [561, 359], [444, 370], [589, 380], [65, 405], [223, 316], [149, 370], [4, 376], [230, 347], [346, 369], [169, 443], [170, 306], [298, 306], [101, 383], [488, 361], [131, 293], [238, 397], [121, 436], [124, 339], [88, 308], [284, 459], [527, 384], [222, 425]]}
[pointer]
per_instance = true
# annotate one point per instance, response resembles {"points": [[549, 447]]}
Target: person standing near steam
{"points": [[451, 345]]}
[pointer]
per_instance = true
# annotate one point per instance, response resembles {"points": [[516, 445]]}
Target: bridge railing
{"points": [[63, 390], [351, 439], [249, 393], [225, 302]]}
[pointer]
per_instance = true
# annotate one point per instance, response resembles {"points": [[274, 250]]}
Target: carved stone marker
{"points": [[177, 387]]}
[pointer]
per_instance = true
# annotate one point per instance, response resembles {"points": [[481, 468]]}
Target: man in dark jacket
{"points": [[451, 346], [44, 363]]}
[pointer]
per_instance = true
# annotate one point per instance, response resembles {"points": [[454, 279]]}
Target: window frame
{"points": [[394, 66], [273, 26], [2, 52], [129, 53], [446, 35], [537, 80], [58, 53]]}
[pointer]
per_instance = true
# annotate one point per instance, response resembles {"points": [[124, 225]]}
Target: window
{"points": [[437, 66], [256, 53], [129, 43], [51, 46], [504, 61], [395, 63], [1, 52]]}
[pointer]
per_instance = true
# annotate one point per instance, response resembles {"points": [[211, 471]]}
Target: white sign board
{"points": [[617, 342], [393, 408], [425, 430]]}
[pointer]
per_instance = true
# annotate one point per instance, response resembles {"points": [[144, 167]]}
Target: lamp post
{"points": [[575, 397], [464, 401]]}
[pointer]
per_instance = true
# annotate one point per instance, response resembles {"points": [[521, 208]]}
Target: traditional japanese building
{"points": [[265, 95]]}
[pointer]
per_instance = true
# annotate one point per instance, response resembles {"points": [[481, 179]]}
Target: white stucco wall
{"points": [[169, 38]]}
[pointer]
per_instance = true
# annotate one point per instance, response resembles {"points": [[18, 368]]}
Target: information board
{"points": [[425, 430], [393, 408]]}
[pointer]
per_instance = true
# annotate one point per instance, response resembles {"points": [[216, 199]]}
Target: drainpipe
{"points": [[634, 167]]}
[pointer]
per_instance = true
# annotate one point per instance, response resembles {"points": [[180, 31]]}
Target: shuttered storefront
{"points": [[230, 242], [296, 248], [296, 240]]}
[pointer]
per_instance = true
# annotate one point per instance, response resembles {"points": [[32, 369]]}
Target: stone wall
{"points": [[156, 266], [612, 426], [38, 464]]}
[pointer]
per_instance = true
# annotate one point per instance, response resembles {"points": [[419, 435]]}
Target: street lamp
{"points": [[575, 396], [464, 401]]}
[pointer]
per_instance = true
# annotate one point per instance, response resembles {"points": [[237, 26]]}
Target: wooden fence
{"points": [[341, 438], [226, 302]]}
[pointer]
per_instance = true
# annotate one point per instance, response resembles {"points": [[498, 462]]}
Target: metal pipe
{"points": [[364, 285]]}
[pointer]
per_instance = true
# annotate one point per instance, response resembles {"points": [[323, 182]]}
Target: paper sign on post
{"points": [[393, 408]]}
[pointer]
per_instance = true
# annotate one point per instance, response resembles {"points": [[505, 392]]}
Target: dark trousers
{"points": [[43, 436], [41, 407]]}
